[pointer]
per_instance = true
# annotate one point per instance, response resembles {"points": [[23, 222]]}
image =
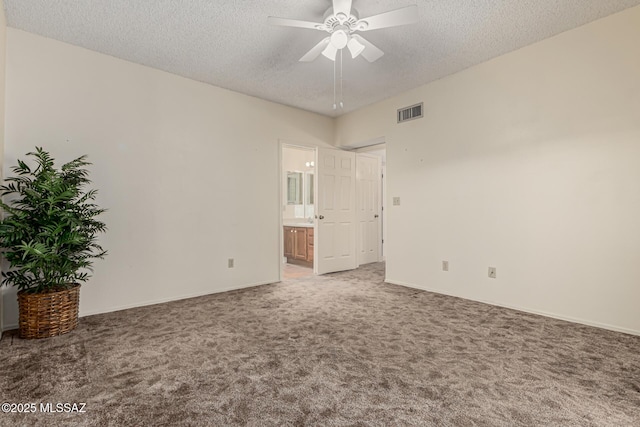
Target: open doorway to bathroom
{"points": [[298, 211]]}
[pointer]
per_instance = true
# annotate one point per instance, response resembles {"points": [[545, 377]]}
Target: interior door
{"points": [[368, 180], [336, 211]]}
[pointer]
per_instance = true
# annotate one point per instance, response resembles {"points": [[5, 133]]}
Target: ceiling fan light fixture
{"points": [[330, 52], [355, 47], [339, 39]]}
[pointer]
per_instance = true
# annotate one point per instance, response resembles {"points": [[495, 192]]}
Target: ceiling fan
{"points": [[342, 22]]}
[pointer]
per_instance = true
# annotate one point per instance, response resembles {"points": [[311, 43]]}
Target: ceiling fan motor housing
{"points": [[332, 22]]}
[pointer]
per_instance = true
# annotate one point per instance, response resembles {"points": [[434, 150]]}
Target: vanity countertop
{"points": [[297, 224]]}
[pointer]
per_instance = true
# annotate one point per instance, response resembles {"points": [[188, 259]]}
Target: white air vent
{"points": [[410, 113]]}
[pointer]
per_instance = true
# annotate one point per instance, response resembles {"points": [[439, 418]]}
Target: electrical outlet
{"points": [[492, 272], [230, 263], [445, 265], [396, 201]]}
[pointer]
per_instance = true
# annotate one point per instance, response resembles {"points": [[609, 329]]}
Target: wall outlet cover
{"points": [[492, 272], [230, 263], [445, 265], [396, 201]]}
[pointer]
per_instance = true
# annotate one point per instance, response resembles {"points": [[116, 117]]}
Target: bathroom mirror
{"points": [[294, 188]]}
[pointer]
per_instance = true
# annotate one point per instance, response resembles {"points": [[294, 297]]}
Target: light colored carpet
{"points": [[339, 350]]}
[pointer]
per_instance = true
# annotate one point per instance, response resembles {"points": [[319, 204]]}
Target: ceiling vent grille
{"points": [[410, 113]]}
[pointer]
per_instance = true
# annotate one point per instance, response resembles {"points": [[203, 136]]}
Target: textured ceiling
{"points": [[228, 43]]}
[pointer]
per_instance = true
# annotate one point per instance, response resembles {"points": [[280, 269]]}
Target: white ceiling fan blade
{"points": [[315, 51], [371, 52], [342, 6], [404, 16], [285, 22]]}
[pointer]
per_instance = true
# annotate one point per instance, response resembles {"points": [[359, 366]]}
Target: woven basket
{"points": [[48, 314]]}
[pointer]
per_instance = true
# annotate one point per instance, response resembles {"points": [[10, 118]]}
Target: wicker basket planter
{"points": [[48, 314], [48, 236]]}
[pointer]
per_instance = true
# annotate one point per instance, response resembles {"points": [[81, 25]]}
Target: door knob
{"points": [[321, 217], [375, 216]]}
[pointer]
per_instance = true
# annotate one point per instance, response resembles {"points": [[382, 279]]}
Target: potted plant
{"points": [[48, 236]]}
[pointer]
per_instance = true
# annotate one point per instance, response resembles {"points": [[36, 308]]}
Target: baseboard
{"points": [[523, 309], [181, 297], [392, 282], [159, 301], [9, 327]]}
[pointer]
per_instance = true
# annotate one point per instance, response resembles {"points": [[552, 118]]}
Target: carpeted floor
{"points": [[340, 350]]}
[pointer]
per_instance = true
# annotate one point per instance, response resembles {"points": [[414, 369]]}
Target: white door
{"points": [[336, 211], [368, 179]]}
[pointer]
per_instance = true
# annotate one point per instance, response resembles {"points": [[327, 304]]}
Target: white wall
{"points": [[529, 163], [188, 171]]}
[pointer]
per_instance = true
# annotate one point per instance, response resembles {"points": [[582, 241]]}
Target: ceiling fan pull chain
{"points": [[334, 85], [341, 92]]}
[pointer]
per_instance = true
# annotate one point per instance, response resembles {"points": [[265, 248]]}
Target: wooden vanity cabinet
{"points": [[298, 245], [300, 248], [289, 241], [310, 244]]}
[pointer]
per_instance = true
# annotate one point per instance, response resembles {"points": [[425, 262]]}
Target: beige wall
{"points": [[529, 163], [189, 172]]}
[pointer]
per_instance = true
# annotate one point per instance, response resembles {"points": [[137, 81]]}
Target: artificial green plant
{"points": [[48, 234]]}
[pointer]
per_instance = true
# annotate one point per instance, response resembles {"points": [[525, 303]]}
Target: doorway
{"points": [[298, 211], [332, 205]]}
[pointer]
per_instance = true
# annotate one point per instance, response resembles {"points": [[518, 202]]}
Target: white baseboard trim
{"points": [[160, 301], [390, 281], [523, 309], [9, 327], [177, 298]]}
